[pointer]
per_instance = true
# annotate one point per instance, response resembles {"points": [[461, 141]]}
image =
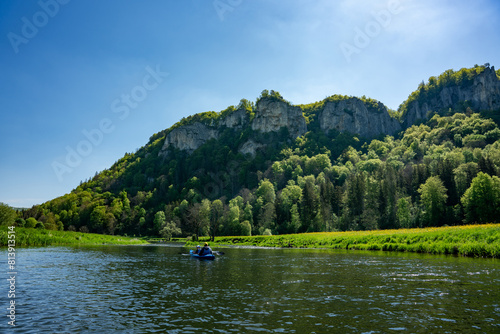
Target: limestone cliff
{"points": [[237, 119], [271, 115], [353, 115], [478, 87], [250, 147], [189, 137], [482, 93]]}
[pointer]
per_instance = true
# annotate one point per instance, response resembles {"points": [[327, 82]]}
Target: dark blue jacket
{"points": [[205, 250]]}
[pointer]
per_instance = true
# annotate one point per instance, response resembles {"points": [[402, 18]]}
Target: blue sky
{"points": [[84, 82]]}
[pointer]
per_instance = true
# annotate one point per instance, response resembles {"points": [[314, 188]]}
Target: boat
{"points": [[202, 257]]}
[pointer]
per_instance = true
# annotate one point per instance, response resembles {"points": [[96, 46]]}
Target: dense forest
{"points": [[440, 171]]}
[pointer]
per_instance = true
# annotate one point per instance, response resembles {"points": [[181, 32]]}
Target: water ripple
{"points": [[157, 290]]}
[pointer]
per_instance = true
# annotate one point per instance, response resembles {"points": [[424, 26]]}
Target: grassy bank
{"points": [[469, 240], [40, 237]]}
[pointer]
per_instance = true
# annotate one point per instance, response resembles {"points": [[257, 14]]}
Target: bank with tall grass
{"points": [[25, 237], [467, 240]]}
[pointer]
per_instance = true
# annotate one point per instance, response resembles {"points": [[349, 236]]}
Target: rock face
{"points": [[352, 115], [237, 119], [364, 117], [482, 94], [250, 147], [272, 115], [189, 137]]}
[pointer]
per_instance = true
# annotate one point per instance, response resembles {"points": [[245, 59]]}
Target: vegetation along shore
{"points": [[466, 240], [41, 237]]}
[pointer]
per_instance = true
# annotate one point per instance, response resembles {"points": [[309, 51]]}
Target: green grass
{"points": [[468, 240], [39, 237]]}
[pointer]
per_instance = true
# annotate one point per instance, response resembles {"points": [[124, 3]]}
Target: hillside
{"points": [[343, 163]]}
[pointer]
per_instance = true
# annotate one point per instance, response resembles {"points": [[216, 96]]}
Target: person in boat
{"points": [[198, 250], [205, 250]]}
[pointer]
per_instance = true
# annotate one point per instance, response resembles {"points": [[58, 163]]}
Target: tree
{"points": [[266, 191], [246, 228], [404, 213], [295, 219], [168, 229], [267, 217], [482, 200], [30, 222], [7, 215], [216, 212], [309, 205], [433, 197], [98, 219], [159, 221], [198, 217]]}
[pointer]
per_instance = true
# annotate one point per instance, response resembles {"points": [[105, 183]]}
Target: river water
{"points": [[157, 289]]}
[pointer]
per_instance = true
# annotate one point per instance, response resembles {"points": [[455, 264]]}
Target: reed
{"points": [[466, 240], [40, 237]]}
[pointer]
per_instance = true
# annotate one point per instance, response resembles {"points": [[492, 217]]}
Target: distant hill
{"points": [[273, 167]]}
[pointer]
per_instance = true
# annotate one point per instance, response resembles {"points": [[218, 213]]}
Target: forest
{"points": [[440, 172]]}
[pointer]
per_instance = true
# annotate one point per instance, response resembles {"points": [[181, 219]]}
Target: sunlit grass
{"points": [[467, 240], [40, 237]]}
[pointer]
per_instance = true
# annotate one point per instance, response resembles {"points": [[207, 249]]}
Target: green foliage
{"points": [[271, 95], [168, 229], [30, 222], [433, 197], [482, 200], [41, 237], [7, 215], [473, 240]]}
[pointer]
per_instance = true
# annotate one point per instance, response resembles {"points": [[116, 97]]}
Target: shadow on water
{"points": [[146, 289]]}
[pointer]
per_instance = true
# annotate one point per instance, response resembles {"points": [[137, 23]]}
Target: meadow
{"points": [[40, 237], [466, 240]]}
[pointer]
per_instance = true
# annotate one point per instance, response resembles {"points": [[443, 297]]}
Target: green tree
{"points": [[433, 197], [198, 217], [309, 205], [98, 219], [266, 191], [295, 219], [159, 221], [168, 229], [482, 200], [30, 222], [246, 228], [404, 213], [7, 214], [216, 213]]}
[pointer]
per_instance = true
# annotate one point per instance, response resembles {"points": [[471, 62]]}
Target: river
{"points": [[157, 289]]}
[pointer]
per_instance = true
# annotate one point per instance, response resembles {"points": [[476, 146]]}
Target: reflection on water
{"points": [[157, 289]]}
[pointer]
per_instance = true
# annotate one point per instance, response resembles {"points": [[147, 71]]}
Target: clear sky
{"points": [[84, 82]]}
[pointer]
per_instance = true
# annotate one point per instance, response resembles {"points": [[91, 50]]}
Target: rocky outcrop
{"points": [[482, 94], [250, 147], [365, 117], [189, 137], [352, 115], [271, 115], [237, 119]]}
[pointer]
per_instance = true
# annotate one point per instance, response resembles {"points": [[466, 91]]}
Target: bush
{"points": [[30, 222], [20, 222]]}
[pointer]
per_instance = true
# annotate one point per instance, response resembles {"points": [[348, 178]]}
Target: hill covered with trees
{"points": [[270, 167]]}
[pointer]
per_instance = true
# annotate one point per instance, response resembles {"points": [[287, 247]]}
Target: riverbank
{"points": [[25, 237], [467, 240]]}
